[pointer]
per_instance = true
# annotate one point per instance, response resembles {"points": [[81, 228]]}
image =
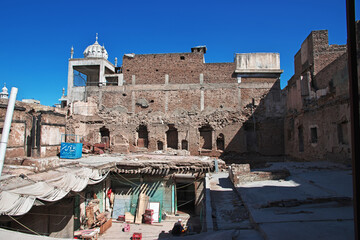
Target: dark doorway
{"points": [[184, 145], [220, 142], [160, 145], [301, 138], [206, 137], [105, 136], [142, 136], [185, 193], [172, 137]]}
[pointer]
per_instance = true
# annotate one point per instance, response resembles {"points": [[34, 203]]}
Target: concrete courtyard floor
{"points": [[314, 202]]}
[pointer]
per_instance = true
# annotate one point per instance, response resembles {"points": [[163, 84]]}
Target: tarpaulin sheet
{"points": [[19, 201]]}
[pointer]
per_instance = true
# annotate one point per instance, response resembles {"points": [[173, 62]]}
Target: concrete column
{"points": [[166, 101], [102, 81], [208, 209], [238, 79], [121, 80], [133, 79], [133, 100], [70, 81], [239, 98], [202, 99], [201, 78], [166, 79]]}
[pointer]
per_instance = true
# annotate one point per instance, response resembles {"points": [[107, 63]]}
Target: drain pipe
{"points": [[7, 125]]}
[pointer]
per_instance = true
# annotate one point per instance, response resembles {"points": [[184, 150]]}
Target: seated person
{"points": [[178, 228]]}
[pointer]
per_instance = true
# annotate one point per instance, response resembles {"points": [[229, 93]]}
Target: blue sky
{"points": [[36, 36]]}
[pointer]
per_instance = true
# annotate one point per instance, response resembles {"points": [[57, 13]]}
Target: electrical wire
{"points": [[189, 183], [186, 203], [128, 180], [24, 226]]}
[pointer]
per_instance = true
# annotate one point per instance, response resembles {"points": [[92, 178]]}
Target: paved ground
{"points": [[314, 202], [154, 231], [228, 211]]}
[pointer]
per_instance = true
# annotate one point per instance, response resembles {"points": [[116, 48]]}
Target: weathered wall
{"points": [[225, 110], [317, 123], [184, 103], [35, 130]]}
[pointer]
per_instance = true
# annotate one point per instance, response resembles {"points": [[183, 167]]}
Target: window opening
{"points": [[206, 137], [172, 137], [142, 136]]}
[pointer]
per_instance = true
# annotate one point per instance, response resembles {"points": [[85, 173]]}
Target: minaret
{"points": [[72, 52], [115, 61], [4, 94]]}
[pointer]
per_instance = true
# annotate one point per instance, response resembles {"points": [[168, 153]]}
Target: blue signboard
{"points": [[71, 150]]}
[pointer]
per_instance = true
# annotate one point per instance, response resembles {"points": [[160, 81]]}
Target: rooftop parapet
{"points": [[257, 63]]}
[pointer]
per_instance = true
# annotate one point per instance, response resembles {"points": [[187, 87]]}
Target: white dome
{"points": [[95, 51]]}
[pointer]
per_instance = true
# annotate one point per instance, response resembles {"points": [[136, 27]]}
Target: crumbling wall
{"points": [[178, 91], [317, 123], [35, 130], [241, 173]]}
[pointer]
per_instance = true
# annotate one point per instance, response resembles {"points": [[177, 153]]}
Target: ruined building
{"points": [[317, 123], [176, 101]]}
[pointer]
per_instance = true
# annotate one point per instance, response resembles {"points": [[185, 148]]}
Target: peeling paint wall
{"points": [[35, 130]]}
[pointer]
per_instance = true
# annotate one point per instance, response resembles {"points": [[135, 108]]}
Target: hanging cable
{"points": [[189, 183], [24, 226], [128, 180], [186, 203]]}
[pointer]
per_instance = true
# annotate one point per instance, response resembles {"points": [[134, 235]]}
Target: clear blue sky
{"points": [[36, 36]]}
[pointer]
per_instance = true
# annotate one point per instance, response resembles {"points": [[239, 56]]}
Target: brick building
{"points": [[317, 122], [177, 101]]}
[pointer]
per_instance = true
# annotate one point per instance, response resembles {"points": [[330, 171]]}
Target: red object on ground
{"points": [[126, 227], [137, 236], [149, 212], [148, 219]]}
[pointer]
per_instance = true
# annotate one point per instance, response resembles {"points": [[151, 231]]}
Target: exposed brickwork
{"points": [[222, 98], [219, 73], [197, 96], [186, 99], [317, 123], [151, 68], [240, 173]]}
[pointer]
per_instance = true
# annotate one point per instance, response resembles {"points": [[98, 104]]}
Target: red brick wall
{"points": [[219, 73], [183, 99], [156, 100], [151, 68], [221, 98], [322, 79], [324, 57]]}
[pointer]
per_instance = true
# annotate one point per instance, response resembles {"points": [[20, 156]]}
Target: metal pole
{"points": [[7, 125], [354, 107]]}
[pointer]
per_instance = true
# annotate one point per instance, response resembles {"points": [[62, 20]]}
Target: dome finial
{"points": [[96, 37]]}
